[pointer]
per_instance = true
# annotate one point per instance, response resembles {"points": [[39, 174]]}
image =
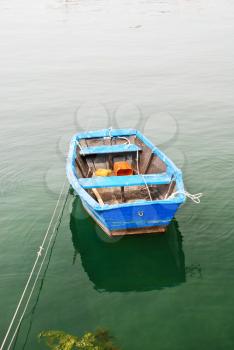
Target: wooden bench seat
{"points": [[121, 181], [104, 149]]}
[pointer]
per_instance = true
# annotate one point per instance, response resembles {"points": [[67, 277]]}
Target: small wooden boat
{"points": [[124, 182]]}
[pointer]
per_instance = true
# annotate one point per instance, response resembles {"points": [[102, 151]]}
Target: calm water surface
{"points": [[166, 67]]}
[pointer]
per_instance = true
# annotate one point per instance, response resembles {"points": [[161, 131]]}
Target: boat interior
{"points": [[110, 169]]}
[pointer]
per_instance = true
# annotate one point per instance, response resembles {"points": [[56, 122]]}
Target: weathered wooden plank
{"points": [[120, 181], [139, 231], [98, 196]]}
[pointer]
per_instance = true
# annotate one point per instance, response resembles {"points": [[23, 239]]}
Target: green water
{"points": [[167, 68]]}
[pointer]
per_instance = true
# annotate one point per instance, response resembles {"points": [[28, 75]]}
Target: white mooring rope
{"points": [[194, 197], [39, 254], [142, 175]]}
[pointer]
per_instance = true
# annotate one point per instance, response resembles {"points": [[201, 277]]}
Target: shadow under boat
{"points": [[129, 263]]}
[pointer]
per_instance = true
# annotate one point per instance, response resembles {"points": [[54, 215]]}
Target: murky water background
{"points": [[166, 67]]}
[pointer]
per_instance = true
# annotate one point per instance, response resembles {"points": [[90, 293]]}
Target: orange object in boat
{"points": [[122, 169]]}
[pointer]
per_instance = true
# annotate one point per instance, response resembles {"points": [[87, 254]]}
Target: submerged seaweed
{"points": [[59, 340]]}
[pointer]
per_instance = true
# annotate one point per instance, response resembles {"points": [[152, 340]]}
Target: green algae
{"points": [[59, 340]]}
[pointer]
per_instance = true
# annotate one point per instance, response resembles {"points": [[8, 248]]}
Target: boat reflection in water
{"points": [[130, 263]]}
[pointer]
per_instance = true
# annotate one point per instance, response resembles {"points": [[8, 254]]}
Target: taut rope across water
{"points": [[39, 255]]}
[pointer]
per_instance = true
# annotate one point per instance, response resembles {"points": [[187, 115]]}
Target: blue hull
{"points": [[134, 217]]}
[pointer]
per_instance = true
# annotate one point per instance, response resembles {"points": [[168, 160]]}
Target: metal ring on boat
{"points": [[140, 213]]}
